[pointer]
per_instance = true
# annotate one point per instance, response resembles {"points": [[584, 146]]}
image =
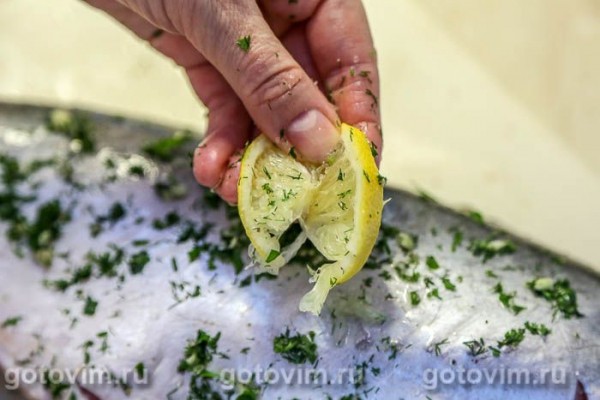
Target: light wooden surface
{"points": [[493, 104]]}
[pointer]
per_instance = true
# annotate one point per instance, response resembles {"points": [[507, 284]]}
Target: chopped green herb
{"points": [[414, 277], [292, 152], [432, 262], [366, 176], [476, 347], [166, 149], [448, 284], [74, 125], [90, 306], [273, 254], [512, 338], [438, 346], [266, 171], [171, 219], [434, 293], [476, 216], [507, 299], [140, 370], [138, 261], [489, 248], [559, 293], [341, 175], [267, 188], [12, 321], [415, 299], [244, 43], [297, 349], [54, 385], [457, 239], [374, 152], [372, 95], [537, 329], [170, 188], [490, 274]]}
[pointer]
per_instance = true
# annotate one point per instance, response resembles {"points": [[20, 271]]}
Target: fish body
{"points": [[124, 279]]}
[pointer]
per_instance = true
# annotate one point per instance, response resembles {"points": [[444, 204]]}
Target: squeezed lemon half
{"points": [[338, 206]]}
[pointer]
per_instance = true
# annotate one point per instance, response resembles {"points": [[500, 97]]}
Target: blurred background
{"points": [[491, 105]]}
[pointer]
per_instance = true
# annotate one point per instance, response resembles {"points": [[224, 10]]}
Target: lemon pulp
{"points": [[338, 205]]}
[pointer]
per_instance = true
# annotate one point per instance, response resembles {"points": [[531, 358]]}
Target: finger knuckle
{"points": [[272, 84]]}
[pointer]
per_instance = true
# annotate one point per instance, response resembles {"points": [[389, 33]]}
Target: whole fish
{"points": [[120, 278]]}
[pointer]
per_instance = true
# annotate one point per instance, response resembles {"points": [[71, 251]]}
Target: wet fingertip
{"points": [[228, 187], [206, 169]]}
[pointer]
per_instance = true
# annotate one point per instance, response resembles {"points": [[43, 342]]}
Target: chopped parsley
{"points": [[297, 349], [90, 306], [74, 125], [198, 354], [114, 214], [476, 347], [448, 284], [41, 234], [273, 254], [537, 329], [12, 321], [415, 299], [489, 248], [457, 239], [559, 293], [140, 370], [432, 262], [508, 299], [166, 149], [171, 219], [244, 43], [438, 346], [512, 338], [476, 216], [138, 261]]}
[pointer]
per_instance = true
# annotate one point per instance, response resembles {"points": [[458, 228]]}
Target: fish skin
{"points": [[152, 328]]}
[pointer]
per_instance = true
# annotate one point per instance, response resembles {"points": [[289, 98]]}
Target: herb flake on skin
{"points": [[138, 261], [90, 306], [537, 329], [12, 321], [508, 299], [415, 299], [198, 354], [490, 248], [297, 349], [512, 338], [75, 126], [244, 43], [437, 347], [457, 239], [432, 263], [559, 293], [448, 284], [167, 149], [476, 347]]}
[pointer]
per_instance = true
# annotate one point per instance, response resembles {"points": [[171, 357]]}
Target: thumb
{"points": [[280, 97]]}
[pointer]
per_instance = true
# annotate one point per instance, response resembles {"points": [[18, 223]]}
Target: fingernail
{"points": [[312, 135]]}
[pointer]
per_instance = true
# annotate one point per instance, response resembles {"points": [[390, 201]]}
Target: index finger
{"points": [[342, 48]]}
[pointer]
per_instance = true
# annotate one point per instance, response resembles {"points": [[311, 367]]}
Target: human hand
{"points": [[273, 63]]}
